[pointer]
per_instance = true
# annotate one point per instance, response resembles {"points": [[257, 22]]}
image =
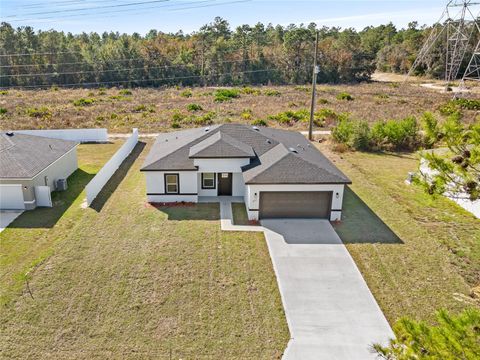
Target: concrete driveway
{"points": [[330, 311], [6, 217]]}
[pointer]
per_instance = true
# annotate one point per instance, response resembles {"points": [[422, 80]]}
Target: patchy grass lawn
{"points": [[417, 254], [130, 281], [31, 237], [239, 213]]}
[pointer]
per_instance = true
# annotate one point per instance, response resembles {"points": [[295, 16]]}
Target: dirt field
{"points": [[153, 110]]}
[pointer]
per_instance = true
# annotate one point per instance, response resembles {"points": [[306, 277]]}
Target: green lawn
{"points": [[128, 280], [418, 254], [239, 213]]}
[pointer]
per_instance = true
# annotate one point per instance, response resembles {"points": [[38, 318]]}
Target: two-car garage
{"points": [[295, 204]]}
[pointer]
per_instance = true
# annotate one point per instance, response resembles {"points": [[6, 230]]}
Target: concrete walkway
{"points": [[7, 216], [330, 311]]}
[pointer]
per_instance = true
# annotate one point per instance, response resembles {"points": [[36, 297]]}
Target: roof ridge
{"points": [[274, 162]]}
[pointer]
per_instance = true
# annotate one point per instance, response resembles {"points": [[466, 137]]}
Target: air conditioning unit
{"points": [[61, 184]]}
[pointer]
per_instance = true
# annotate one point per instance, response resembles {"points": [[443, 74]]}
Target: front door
{"points": [[225, 184]]}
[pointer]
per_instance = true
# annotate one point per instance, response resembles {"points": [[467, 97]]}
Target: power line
{"points": [[41, 53], [113, 70], [138, 80], [91, 8]]}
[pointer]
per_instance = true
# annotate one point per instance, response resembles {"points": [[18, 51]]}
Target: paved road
{"points": [[6, 217], [330, 311]]}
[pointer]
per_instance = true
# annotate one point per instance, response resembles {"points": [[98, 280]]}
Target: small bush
{"points": [[91, 93], [178, 116], [175, 125], [187, 93], [113, 116], [223, 95], [84, 101], [342, 133], [41, 112], [323, 101], [205, 119], [325, 117], [125, 92], [271, 92], [431, 130], [345, 96], [3, 110], [302, 88], [3, 92], [251, 91], [259, 122], [246, 114], [144, 108], [54, 88], [194, 107], [290, 117], [468, 104]]}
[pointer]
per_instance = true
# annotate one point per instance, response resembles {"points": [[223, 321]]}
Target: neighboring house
{"points": [[30, 167], [279, 173]]}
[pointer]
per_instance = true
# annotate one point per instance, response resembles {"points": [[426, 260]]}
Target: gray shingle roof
{"points": [[221, 145], [24, 156], [281, 156]]}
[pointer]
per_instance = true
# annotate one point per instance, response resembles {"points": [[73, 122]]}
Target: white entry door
{"points": [[43, 196]]}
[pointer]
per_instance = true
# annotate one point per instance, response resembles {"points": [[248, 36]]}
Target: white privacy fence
{"points": [[80, 135], [94, 187]]}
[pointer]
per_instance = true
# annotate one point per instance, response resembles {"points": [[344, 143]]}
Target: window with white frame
{"points": [[171, 183], [208, 180]]}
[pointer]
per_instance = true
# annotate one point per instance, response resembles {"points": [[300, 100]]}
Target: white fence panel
{"points": [[95, 185], [80, 135]]}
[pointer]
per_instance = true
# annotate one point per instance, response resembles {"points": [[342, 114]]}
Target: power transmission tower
{"points": [[457, 26]]}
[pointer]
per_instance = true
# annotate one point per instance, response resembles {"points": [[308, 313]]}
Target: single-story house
{"points": [[278, 173], [31, 167]]}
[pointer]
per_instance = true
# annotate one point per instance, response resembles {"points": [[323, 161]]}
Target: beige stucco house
{"points": [[30, 167]]}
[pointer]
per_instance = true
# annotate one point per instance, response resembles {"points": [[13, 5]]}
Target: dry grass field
{"points": [[153, 110]]}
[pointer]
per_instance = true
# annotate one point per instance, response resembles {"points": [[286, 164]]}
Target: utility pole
{"points": [[316, 70]]}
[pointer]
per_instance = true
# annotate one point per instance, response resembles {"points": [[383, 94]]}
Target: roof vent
{"points": [[293, 150], [255, 128], [9, 133], [269, 141], [207, 129]]}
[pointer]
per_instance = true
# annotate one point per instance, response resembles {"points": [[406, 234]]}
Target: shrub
{"points": [[342, 133], [468, 104], [323, 101], [251, 91], [259, 122], [246, 114], [222, 95], [271, 92], [84, 101], [360, 137], [3, 110], [345, 96], [175, 125], [325, 117], [41, 112], [3, 92], [395, 135], [205, 119], [187, 93], [125, 92], [178, 116], [113, 116], [290, 117], [302, 88], [54, 88], [449, 108], [140, 107], [194, 107]]}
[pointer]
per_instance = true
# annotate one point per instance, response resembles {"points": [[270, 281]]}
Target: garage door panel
{"points": [[295, 204], [11, 197]]}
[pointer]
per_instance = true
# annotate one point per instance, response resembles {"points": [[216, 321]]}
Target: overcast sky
{"points": [[188, 15]]}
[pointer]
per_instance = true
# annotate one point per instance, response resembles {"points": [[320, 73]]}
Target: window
{"points": [[171, 183], [208, 180]]}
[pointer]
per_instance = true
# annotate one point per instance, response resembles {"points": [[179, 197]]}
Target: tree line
{"points": [[213, 55]]}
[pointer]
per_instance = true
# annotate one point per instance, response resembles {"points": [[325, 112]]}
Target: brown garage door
{"points": [[314, 204]]}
